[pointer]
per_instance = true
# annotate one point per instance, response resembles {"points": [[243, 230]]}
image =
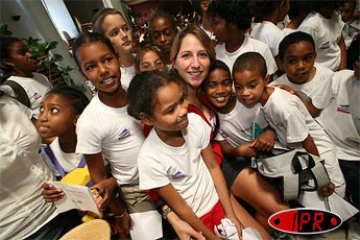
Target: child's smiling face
{"points": [[249, 86], [298, 62], [218, 88], [100, 65]]}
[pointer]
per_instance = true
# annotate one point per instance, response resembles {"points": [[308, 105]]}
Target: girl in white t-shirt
{"points": [[105, 130], [57, 119], [177, 159], [58, 116], [113, 25], [19, 66]]}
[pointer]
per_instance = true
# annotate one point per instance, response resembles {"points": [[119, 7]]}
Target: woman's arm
{"points": [[220, 185], [183, 210]]}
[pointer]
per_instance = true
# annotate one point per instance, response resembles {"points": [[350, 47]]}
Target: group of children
{"points": [[171, 130]]}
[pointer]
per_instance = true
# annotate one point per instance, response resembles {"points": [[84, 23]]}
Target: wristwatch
{"points": [[166, 212]]}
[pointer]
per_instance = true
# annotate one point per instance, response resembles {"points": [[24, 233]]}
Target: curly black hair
{"points": [[232, 11]]}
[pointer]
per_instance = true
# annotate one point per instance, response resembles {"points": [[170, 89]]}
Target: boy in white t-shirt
{"points": [[270, 13], [230, 20], [325, 26], [286, 114], [239, 144], [312, 82]]}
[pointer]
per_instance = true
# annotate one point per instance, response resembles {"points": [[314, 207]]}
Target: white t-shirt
{"points": [[341, 119], [236, 126], [287, 31], [292, 122], [127, 74], [35, 87], [22, 171], [248, 45], [326, 34], [68, 161], [115, 134], [318, 91], [183, 167], [268, 33]]}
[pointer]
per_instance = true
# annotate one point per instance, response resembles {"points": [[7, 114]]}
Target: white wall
{"points": [[61, 17], [35, 21]]}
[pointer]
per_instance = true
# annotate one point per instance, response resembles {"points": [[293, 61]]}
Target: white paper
{"points": [[334, 203], [146, 225], [76, 197]]}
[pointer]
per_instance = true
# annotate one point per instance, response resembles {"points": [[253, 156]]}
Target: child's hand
{"points": [[285, 87], [246, 150], [239, 226], [50, 193], [183, 230], [124, 222], [106, 189], [264, 142], [328, 190]]}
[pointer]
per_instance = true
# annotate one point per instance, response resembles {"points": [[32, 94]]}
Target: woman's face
{"points": [[151, 61], [162, 34], [116, 29], [192, 61]]}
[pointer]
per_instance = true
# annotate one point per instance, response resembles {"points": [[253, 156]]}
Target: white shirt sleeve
{"points": [[297, 130]]}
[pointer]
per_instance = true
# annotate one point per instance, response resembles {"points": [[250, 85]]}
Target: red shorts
{"points": [[213, 218]]}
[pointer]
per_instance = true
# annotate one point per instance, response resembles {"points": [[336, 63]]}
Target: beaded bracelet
{"points": [[120, 216]]}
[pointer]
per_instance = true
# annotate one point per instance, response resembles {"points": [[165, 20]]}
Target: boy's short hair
{"points": [[251, 61], [232, 11], [292, 38], [218, 64]]}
